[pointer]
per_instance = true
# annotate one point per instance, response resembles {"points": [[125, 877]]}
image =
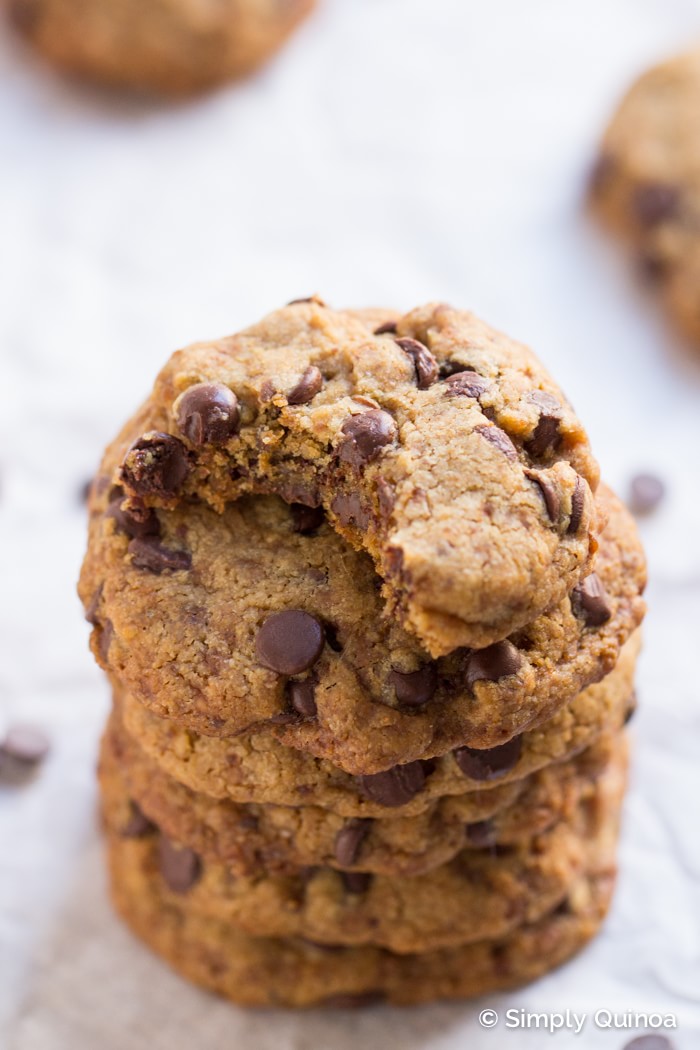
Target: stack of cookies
{"points": [[371, 625]]}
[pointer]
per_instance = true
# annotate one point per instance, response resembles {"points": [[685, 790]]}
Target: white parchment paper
{"points": [[398, 151]]}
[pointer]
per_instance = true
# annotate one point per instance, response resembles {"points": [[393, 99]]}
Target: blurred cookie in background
{"points": [[163, 47]]}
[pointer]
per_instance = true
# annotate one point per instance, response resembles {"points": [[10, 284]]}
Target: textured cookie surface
{"points": [[173, 47], [647, 182], [251, 839], [256, 971], [223, 622], [442, 449], [478, 894]]}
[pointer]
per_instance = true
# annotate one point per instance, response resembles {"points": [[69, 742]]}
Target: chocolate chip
{"points": [[548, 492], [105, 634], [492, 663], [309, 299], [578, 503], [631, 708], [93, 606], [655, 202], [590, 601], [332, 638], [415, 688], [646, 492], [353, 1001], [466, 383], [155, 465], [650, 1042], [26, 744], [388, 328], [653, 265], [138, 825], [179, 866], [546, 435], [289, 642], [356, 881], [348, 508], [425, 365], [394, 787], [148, 554], [365, 436], [602, 172], [306, 519], [307, 387], [301, 696], [385, 498], [349, 840], [85, 490], [491, 763], [207, 414], [499, 439], [135, 519], [481, 833]]}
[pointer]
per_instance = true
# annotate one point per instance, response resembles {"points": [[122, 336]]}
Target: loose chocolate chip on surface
{"points": [[155, 465], [289, 642], [646, 493], [499, 439], [365, 435], [494, 662], [425, 365], [348, 508], [138, 825], [307, 387], [590, 601], [650, 1042], [491, 763], [154, 557], [179, 866], [415, 688], [578, 502], [481, 833], [306, 519], [207, 414], [466, 383], [356, 881], [302, 697], [135, 519], [655, 202], [24, 743], [394, 787], [349, 840], [548, 492], [388, 328]]}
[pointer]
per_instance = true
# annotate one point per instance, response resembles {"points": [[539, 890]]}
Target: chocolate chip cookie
{"points": [[170, 47], [646, 183], [438, 446], [251, 839], [256, 768], [258, 617]]}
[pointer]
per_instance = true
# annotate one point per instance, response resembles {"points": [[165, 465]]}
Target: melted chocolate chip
{"points": [[655, 202], [646, 492], [148, 554], [307, 387], [365, 436], [546, 436], [590, 601], [388, 328], [491, 763], [578, 503], [394, 787], [548, 492], [207, 414], [348, 508], [179, 866], [499, 439], [425, 365], [465, 383], [302, 697], [492, 663], [138, 825], [349, 840], [26, 744], [306, 519], [135, 519], [155, 465], [289, 642], [481, 834], [356, 881], [415, 688]]}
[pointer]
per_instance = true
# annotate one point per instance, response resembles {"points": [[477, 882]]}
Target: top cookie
{"points": [[171, 47], [438, 446], [646, 183]]}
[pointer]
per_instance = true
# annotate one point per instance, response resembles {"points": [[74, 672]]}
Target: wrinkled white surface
{"points": [[398, 151]]}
